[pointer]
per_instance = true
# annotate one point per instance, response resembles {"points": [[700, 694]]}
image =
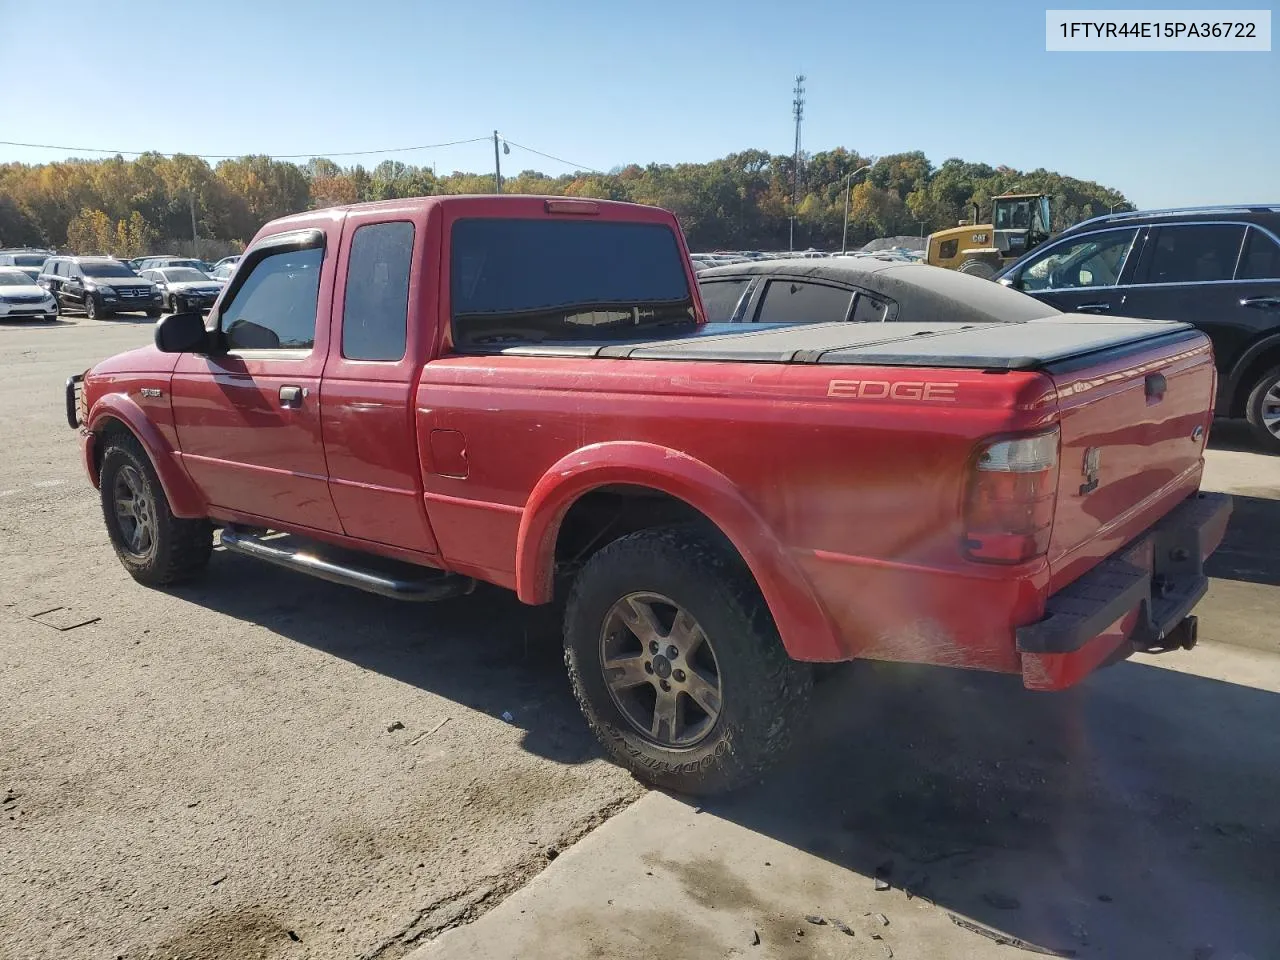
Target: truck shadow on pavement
{"points": [[485, 652], [1248, 551], [1135, 816]]}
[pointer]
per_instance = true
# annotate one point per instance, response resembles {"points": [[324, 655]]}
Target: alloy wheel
{"points": [[135, 512], [1271, 409], [660, 669]]}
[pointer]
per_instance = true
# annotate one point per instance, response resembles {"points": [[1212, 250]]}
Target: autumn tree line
{"points": [[743, 201]]}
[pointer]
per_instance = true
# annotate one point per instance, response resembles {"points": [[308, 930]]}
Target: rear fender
{"points": [[806, 631], [184, 499]]}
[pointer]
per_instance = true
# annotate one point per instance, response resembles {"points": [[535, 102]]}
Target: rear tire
{"points": [[978, 268], [1263, 410], [716, 646], [156, 547]]}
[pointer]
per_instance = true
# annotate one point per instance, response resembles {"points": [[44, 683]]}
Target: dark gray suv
{"points": [[1215, 267], [100, 286]]}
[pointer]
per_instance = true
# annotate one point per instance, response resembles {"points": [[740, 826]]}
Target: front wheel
{"points": [[156, 547], [91, 308], [677, 664], [172, 304], [1263, 410]]}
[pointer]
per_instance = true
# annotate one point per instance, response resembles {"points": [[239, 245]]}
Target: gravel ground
{"points": [[209, 772]]}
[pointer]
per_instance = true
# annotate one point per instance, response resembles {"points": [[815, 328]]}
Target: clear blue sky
{"points": [[604, 83]]}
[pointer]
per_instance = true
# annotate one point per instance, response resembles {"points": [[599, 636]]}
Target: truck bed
{"points": [[1027, 345]]}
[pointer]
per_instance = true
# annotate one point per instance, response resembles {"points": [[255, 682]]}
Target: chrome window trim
{"points": [[1177, 283], [1183, 211]]}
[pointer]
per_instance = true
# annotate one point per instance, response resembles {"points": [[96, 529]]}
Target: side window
{"points": [[1195, 253], [948, 249], [795, 301], [1092, 261], [275, 309], [1260, 259], [721, 297], [869, 309], [376, 308]]}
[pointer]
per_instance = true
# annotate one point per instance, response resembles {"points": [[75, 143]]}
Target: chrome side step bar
{"points": [[440, 586]]}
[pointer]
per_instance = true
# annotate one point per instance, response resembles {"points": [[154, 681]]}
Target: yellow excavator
{"points": [[1019, 221]]}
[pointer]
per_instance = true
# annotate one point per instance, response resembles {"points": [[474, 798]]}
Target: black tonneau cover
{"points": [[1028, 345]]}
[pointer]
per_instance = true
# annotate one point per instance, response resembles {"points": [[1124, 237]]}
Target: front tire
{"points": [[91, 308], [172, 304], [677, 665], [1263, 410], [156, 547]]}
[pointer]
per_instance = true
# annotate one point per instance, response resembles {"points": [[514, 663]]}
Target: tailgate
{"points": [[1134, 424]]}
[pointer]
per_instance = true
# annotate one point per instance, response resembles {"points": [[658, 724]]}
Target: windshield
{"points": [[1013, 215], [105, 268], [14, 278], [539, 280], [182, 275], [29, 259]]}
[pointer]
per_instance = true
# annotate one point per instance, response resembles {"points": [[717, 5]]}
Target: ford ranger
{"points": [[411, 396]]}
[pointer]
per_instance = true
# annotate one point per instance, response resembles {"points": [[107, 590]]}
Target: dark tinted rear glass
{"points": [[29, 259], [794, 301], [1196, 252], [538, 280], [1261, 258], [720, 298]]}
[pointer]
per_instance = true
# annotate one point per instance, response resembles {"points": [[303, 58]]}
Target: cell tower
{"points": [[797, 111]]}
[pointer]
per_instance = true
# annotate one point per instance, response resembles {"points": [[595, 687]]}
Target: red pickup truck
{"points": [[410, 396]]}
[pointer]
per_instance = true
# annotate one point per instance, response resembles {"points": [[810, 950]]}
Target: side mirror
{"points": [[182, 333]]}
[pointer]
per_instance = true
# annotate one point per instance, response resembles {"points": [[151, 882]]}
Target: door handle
{"points": [[291, 396], [1101, 307], [1261, 303]]}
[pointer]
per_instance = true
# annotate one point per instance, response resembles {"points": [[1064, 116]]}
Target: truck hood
{"points": [[143, 360]]}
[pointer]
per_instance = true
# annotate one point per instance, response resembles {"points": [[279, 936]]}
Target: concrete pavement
{"points": [[1132, 817]]}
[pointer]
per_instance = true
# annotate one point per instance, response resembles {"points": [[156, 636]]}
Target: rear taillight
{"points": [[1009, 510]]}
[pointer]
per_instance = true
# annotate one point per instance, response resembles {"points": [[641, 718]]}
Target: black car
{"points": [[857, 289], [184, 288], [101, 286], [1215, 267]]}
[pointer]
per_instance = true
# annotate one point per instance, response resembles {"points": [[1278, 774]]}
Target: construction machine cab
{"points": [[1019, 221]]}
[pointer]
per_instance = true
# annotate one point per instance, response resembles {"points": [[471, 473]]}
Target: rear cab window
{"points": [[520, 281]]}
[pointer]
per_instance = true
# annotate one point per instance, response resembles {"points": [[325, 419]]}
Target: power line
{"points": [[568, 163], [275, 156]]}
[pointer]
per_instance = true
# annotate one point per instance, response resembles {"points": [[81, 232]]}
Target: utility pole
{"points": [[797, 111], [497, 165], [848, 187], [192, 195]]}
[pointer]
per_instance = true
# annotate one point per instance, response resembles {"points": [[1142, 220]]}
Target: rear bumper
{"points": [[1139, 599]]}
